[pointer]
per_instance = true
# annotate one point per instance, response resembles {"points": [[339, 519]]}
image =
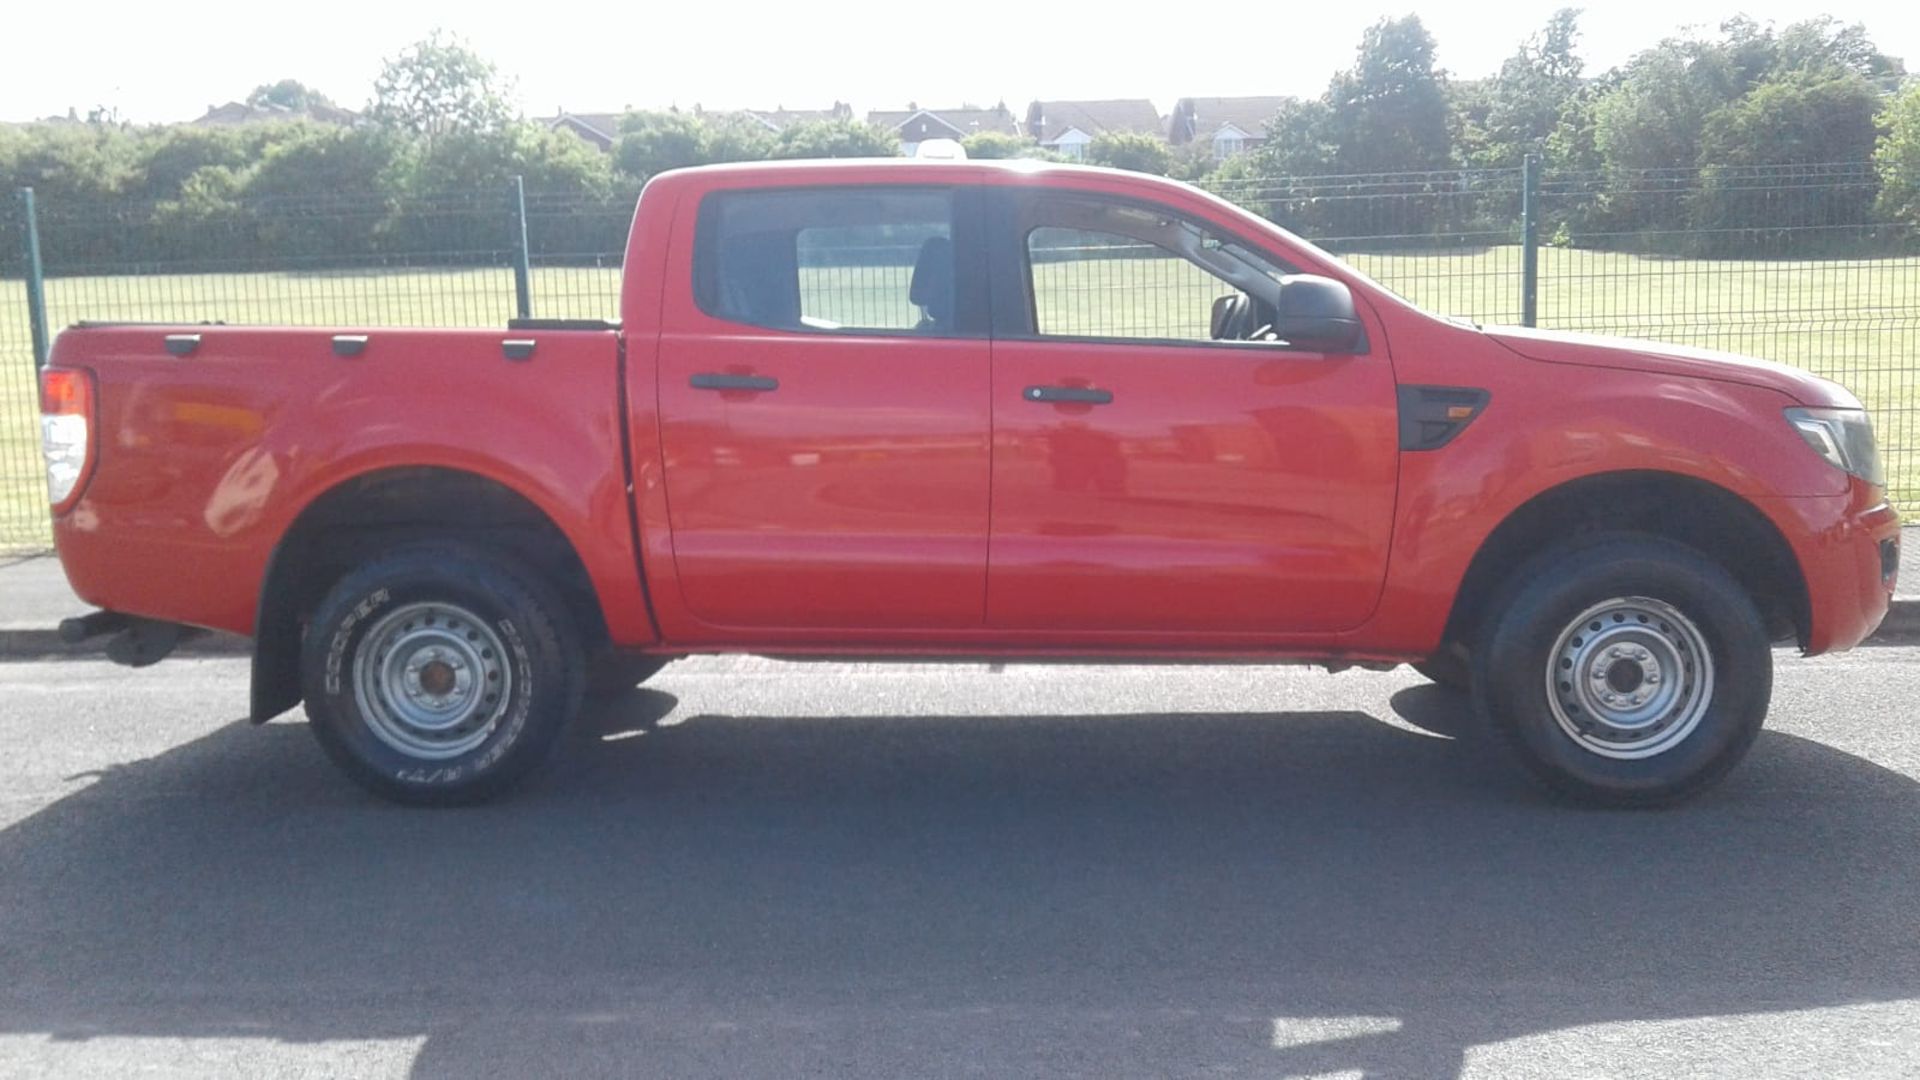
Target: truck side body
{"points": [[695, 483]]}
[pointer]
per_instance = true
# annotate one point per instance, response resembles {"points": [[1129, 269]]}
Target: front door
{"points": [[1155, 466], [824, 411]]}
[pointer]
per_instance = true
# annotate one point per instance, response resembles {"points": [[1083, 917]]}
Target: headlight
{"points": [[1844, 437]]}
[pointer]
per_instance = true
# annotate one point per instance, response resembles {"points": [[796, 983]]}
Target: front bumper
{"points": [[1849, 551]]}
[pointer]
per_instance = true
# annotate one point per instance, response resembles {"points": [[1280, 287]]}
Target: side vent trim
{"points": [[1431, 416]]}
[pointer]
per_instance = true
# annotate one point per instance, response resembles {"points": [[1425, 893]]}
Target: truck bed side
{"points": [[208, 452]]}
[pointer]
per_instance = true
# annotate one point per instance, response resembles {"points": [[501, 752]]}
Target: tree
{"points": [[1469, 103], [736, 137], [455, 189], [1390, 110], [203, 215], [1653, 119], [550, 162], [1132, 150], [1897, 157], [1000, 146], [334, 162], [836, 139], [437, 86], [1526, 99], [1193, 162], [1572, 145], [170, 156], [1657, 115], [69, 164], [1301, 140], [1275, 179], [1801, 118], [653, 142], [290, 94], [1823, 42], [326, 191]]}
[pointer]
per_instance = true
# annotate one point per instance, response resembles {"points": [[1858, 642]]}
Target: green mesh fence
{"points": [[1785, 263]]}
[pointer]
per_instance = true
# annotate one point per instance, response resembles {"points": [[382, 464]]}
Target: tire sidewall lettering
{"points": [[342, 641], [521, 705]]}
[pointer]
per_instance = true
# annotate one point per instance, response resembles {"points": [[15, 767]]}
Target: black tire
{"points": [[1447, 669], [1717, 708], [612, 674], [462, 595]]}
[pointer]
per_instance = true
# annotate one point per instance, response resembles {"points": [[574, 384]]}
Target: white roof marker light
{"points": [[940, 150]]}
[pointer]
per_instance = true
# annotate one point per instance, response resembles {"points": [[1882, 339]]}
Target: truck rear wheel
{"points": [[440, 674], [1625, 671]]}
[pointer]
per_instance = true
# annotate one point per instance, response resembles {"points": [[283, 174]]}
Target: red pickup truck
{"points": [[967, 410]]}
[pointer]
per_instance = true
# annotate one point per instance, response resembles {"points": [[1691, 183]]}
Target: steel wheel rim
{"points": [[1630, 678], [432, 680]]}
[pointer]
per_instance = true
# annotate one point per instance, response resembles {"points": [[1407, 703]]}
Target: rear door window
{"points": [[839, 260]]}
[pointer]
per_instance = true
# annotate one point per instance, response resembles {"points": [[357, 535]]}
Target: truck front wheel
{"points": [[1625, 671], [440, 674]]}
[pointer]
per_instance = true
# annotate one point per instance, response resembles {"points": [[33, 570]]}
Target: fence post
{"points": [[1530, 240], [522, 258], [36, 279]]}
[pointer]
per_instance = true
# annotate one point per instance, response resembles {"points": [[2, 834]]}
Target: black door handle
{"points": [[1071, 395], [709, 381]]}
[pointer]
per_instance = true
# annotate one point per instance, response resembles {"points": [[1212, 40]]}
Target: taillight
{"points": [[66, 432]]}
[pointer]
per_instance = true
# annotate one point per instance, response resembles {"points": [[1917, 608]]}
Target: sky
{"points": [[165, 62]]}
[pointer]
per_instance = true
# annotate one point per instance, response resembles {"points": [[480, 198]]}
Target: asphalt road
{"points": [[758, 869]]}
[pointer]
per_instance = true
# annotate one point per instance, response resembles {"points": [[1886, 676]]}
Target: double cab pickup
{"points": [[980, 410]]}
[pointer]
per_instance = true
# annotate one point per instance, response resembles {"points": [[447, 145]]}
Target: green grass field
{"points": [[1856, 321]]}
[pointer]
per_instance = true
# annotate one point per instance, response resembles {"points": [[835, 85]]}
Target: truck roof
{"points": [[899, 170]]}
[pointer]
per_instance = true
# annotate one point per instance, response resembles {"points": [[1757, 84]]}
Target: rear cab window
{"points": [[839, 260]]}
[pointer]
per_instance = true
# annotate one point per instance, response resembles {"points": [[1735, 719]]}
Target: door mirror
{"points": [[1316, 313]]}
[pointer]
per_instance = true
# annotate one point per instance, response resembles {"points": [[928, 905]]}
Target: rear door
{"points": [[823, 389], [1156, 469]]}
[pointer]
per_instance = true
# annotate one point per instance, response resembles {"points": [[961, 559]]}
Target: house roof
{"points": [[1048, 120], [1199, 117], [780, 119], [916, 124], [45, 121], [603, 125], [239, 112]]}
